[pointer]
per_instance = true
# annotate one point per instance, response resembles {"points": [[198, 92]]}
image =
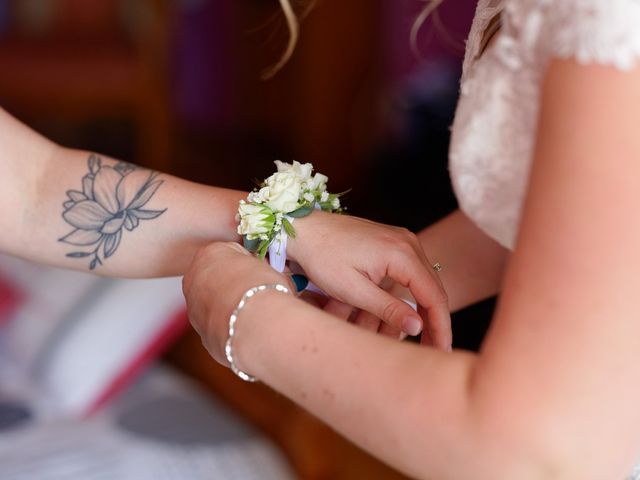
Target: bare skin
{"points": [[555, 389], [85, 211]]}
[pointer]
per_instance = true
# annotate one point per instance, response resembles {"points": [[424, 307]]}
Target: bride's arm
{"points": [[554, 392], [473, 263]]}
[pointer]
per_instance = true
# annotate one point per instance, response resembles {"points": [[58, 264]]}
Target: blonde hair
{"points": [[293, 23], [419, 22]]}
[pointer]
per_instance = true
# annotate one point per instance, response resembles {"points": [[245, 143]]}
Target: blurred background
{"points": [[176, 86]]}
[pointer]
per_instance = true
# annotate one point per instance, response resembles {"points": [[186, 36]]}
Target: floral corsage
{"points": [[266, 216]]}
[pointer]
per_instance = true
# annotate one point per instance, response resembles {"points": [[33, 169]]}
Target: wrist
{"points": [[266, 216], [305, 227], [252, 322]]}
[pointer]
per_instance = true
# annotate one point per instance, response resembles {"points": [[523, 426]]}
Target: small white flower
{"points": [[308, 197], [335, 203], [324, 196], [254, 197]]}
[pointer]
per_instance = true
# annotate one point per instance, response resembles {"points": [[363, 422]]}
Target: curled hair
{"points": [[419, 22], [293, 23]]}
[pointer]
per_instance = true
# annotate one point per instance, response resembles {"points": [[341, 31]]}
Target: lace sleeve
{"points": [[593, 31]]}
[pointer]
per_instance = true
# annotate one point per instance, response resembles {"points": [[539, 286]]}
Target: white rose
{"points": [[284, 191], [282, 166], [303, 171], [319, 182], [255, 220]]}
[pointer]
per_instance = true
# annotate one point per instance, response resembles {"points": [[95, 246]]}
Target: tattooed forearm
{"points": [[112, 199]]}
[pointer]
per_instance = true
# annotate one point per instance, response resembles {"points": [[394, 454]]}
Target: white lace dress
{"points": [[495, 125]]}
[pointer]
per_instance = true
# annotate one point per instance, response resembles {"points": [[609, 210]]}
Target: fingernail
{"points": [[300, 281], [412, 325]]}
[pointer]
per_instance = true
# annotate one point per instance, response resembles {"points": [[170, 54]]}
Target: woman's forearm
{"points": [[152, 226], [473, 263], [354, 387], [79, 210], [408, 405]]}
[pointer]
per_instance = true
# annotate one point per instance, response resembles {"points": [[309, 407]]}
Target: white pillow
{"points": [[78, 338]]}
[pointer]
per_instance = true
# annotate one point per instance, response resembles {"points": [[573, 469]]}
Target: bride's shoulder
{"points": [[590, 31]]}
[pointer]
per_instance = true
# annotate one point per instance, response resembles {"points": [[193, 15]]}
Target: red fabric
{"points": [[10, 299]]}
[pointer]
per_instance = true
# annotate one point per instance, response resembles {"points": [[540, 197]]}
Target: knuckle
{"points": [[404, 252], [403, 231], [392, 312], [408, 236]]}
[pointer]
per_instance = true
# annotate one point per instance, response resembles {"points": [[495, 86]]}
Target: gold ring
{"points": [[437, 267]]}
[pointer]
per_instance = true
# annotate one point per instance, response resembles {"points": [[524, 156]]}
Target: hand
{"points": [[349, 257], [214, 284]]}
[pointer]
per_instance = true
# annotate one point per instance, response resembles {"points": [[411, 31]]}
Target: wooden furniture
{"points": [[82, 59]]}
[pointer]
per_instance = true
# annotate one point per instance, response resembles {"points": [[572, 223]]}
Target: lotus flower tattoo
{"points": [[112, 199]]}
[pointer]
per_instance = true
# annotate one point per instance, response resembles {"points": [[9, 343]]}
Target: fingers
{"points": [[338, 309], [430, 296], [391, 332], [367, 321], [438, 332], [237, 247], [383, 305]]}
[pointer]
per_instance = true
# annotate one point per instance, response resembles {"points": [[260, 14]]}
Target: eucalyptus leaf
{"points": [[251, 245], [301, 212]]}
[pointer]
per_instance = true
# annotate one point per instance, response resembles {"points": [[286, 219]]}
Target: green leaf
{"points": [[262, 249], [251, 245], [301, 212], [286, 224]]}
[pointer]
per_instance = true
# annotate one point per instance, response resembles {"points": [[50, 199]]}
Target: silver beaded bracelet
{"points": [[228, 349]]}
